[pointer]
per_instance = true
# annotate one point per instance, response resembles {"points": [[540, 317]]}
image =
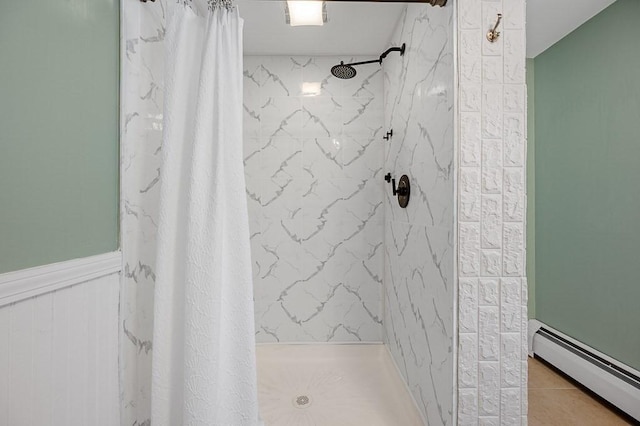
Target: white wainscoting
{"points": [[59, 349]]}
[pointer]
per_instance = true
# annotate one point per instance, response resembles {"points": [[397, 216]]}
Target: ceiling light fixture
{"points": [[305, 12]]}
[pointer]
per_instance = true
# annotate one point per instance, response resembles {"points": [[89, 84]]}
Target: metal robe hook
{"points": [[389, 135], [493, 34]]}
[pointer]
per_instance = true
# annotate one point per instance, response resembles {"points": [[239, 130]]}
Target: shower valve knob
{"points": [[402, 191]]}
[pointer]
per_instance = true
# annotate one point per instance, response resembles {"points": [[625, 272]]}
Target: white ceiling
{"points": [[548, 21], [362, 29], [365, 28]]}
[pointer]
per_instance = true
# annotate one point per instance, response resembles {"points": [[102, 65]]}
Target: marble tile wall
{"points": [[492, 348], [142, 64], [419, 268], [313, 162]]}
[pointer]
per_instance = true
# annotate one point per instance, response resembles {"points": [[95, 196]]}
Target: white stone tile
{"points": [[489, 386], [514, 139], [469, 249], [491, 222], [470, 97], [470, 139], [469, 187], [514, 195], [514, 249], [489, 293], [470, 14], [489, 333], [468, 360], [492, 69], [514, 98], [514, 15], [468, 305], [467, 407], [490, 263]]}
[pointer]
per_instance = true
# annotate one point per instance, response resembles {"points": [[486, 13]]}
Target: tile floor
{"points": [[556, 401], [332, 385]]}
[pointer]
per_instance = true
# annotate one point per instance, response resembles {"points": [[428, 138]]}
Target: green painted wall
{"points": [[58, 130], [531, 189], [587, 189]]}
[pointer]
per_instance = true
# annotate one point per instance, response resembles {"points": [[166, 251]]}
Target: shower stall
{"points": [[352, 193], [336, 258]]}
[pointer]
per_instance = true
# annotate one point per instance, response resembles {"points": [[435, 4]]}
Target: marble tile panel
{"points": [[318, 254]]}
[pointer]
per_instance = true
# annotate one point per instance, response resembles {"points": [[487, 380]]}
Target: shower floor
{"points": [[332, 385]]}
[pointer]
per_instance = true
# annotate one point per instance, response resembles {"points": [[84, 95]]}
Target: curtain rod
{"points": [[431, 2]]}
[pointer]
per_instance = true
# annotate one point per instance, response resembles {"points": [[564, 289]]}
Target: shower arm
{"points": [[384, 55], [373, 61], [393, 49]]}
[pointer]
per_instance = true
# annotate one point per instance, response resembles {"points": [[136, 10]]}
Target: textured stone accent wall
{"points": [[492, 347]]}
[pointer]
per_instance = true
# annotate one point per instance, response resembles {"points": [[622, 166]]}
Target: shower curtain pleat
{"points": [[204, 369]]}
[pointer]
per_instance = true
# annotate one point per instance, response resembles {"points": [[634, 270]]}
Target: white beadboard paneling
{"points": [[103, 417], [491, 235], [77, 380], [42, 358], [4, 367], [91, 354], [20, 373], [59, 357], [112, 404]]}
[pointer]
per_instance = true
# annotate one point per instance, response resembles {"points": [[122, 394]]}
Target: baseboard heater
{"points": [[611, 380]]}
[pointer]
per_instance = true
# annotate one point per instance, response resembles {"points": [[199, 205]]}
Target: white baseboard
{"points": [[31, 282], [597, 376]]}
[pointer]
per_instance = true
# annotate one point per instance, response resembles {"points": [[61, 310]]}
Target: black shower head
{"points": [[347, 71], [343, 71]]}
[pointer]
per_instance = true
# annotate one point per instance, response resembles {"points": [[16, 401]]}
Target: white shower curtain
{"points": [[204, 369]]}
